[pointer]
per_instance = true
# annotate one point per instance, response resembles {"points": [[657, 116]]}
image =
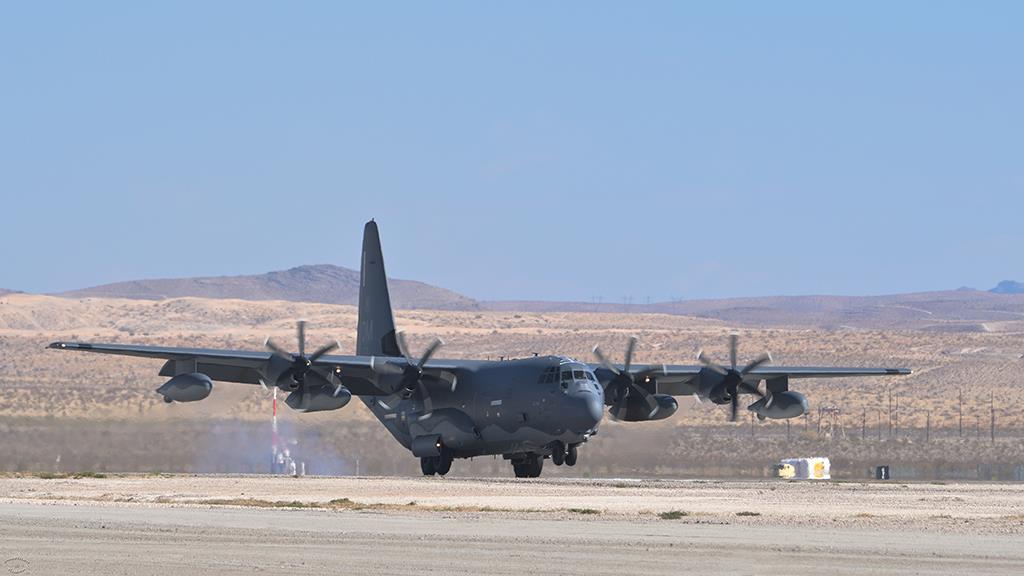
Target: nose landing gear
{"points": [[570, 456], [557, 453], [560, 454]]}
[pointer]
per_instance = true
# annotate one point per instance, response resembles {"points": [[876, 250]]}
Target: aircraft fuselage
{"points": [[505, 407]]}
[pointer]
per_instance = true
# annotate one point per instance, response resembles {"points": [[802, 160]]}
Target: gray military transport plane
{"points": [[527, 410]]}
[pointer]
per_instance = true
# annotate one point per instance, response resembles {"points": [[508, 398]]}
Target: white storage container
{"points": [[810, 468]]}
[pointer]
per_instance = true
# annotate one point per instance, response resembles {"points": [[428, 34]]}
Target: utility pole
{"points": [[787, 429], [896, 416], [890, 411], [864, 425], [961, 412], [992, 424], [878, 415], [928, 427]]}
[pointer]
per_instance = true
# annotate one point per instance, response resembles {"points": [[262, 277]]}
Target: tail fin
{"points": [[376, 332]]}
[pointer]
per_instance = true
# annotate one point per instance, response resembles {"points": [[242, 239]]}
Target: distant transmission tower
{"points": [[830, 421]]}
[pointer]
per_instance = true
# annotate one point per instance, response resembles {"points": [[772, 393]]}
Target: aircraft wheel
{"points": [[520, 470], [528, 467], [570, 456], [536, 466], [557, 453], [428, 466], [443, 463]]}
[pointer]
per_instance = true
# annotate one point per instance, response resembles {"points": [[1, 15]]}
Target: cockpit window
{"points": [[566, 376], [578, 374], [591, 377]]}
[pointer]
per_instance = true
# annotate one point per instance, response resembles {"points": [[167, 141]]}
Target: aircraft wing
{"points": [[678, 380], [248, 367]]}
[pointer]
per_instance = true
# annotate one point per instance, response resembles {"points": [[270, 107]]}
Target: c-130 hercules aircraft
{"points": [[526, 410]]}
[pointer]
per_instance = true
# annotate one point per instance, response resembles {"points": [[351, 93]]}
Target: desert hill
{"points": [[949, 311], [324, 283], [1008, 287], [966, 310]]}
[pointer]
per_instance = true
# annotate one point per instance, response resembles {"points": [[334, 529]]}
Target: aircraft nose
{"points": [[584, 412]]}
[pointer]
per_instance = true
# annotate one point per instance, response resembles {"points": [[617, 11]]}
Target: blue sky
{"points": [[517, 150]]}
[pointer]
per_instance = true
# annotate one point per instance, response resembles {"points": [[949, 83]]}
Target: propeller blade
{"points": [[734, 405], [733, 344], [391, 402], [384, 368], [659, 370], [324, 350], [264, 386], [750, 389], [400, 339], [762, 359], [711, 364], [604, 361], [451, 378], [630, 347], [617, 407], [429, 352], [300, 328], [428, 404], [331, 379], [270, 345], [652, 402]]}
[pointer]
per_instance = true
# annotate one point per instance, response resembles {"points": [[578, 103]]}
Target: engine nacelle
{"points": [[637, 409], [186, 388], [712, 387], [780, 406], [318, 398]]}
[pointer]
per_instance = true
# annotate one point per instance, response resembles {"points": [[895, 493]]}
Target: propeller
{"points": [[412, 378], [733, 378], [626, 381], [300, 363]]}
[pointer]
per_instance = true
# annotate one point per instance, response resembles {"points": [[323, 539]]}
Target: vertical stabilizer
{"points": [[376, 332]]}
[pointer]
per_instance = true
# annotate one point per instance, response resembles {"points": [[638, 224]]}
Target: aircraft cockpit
{"points": [[571, 377]]}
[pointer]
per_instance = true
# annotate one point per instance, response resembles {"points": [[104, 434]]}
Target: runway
{"points": [[46, 529]]}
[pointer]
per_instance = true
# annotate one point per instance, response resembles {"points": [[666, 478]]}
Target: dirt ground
{"points": [[165, 524]]}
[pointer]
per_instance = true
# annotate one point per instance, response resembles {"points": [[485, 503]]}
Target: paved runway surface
{"points": [[51, 532]]}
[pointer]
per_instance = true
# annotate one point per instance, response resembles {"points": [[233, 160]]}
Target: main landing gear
{"points": [[528, 466], [440, 464]]}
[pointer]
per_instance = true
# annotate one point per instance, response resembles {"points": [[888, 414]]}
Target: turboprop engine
{"points": [[636, 408], [186, 388], [780, 405], [312, 398]]}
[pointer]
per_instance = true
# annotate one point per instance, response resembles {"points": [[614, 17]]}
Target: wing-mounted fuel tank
{"points": [[318, 398], [780, 406], [638, 410], [188, 387], [780, 402]]}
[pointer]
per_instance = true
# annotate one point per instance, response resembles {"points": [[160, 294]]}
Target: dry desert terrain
{"points": [[75, 411]]}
